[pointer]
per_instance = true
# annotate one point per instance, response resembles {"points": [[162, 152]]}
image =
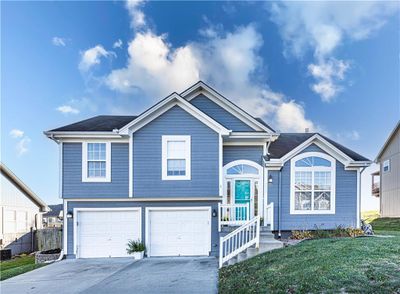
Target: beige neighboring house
{"points": [[388, 186], [20, 212]]}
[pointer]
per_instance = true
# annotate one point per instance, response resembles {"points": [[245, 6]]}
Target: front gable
{"points": [[220, 114], [253, 124], [165, 105]]}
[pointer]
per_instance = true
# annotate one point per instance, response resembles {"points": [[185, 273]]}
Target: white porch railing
{"points": [[233, 214], [239, 240], [269, 215]]}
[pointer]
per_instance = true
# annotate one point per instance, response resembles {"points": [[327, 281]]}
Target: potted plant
{"points": [[136, 248]]}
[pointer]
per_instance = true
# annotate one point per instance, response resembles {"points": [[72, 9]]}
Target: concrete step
{"points": [[242, 256], [269, 245], [232, 261], [265, 228], [251, 252]]}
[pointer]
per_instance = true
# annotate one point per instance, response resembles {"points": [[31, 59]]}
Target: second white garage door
{"points": [[105, 233], [178, 231]]}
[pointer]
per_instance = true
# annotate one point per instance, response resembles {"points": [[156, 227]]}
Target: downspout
{"points": [[359, 195], [279, 203]]}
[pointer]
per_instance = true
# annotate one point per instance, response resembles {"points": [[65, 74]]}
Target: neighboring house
{"points": [[173, 175], [387, 188], [21, 212], [53, 218]]}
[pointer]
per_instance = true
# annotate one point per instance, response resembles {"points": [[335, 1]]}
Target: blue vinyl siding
{"points": [[219, 114], [346, 200], [232, 153], [72, 185], [113, 204], [147, 157]]}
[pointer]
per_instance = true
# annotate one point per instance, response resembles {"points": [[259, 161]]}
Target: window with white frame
{"points": [[386, 166], [96, 162], [176, 158], [312, 184]]}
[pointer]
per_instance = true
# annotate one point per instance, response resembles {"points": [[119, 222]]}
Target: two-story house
{"points": [[194, 162]]}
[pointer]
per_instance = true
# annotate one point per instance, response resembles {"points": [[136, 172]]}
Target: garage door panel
{"points": [[106, 233], [179, 232]]}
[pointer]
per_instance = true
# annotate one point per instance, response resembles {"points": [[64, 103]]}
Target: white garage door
{"points": [[178, 232], [105, 233]]}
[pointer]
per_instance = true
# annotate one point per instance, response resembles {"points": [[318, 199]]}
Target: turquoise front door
{"points": [[242, 196]]}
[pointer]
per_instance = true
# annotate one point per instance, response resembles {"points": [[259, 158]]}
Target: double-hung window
{"points": [[176, 157], [386, 166], [312, 184], [96, 162]]}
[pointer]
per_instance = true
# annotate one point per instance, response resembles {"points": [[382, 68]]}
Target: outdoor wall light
{"points": [[214, 213], [270, 179], [70, 215]]}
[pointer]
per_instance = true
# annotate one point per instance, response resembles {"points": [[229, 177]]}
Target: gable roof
{"points": [[203, 88], [55, 210], [388, 140], [100, 123], [286, 142], [166, 104], [23, 187]]}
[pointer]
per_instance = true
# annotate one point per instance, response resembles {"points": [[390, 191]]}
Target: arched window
{"points": [[242, 169], [312, 184]]}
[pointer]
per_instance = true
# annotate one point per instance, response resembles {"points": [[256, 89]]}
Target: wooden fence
{"points": [[46, 239]]}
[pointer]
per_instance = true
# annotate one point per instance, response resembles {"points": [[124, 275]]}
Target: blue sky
{"points": [[330, 67]]}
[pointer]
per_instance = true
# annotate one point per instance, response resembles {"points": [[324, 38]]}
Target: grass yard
{"points": [[352, 265], [17, 266]]}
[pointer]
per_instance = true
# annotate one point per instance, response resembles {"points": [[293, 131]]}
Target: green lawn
{"points": [[353, 265], [17, 266]]}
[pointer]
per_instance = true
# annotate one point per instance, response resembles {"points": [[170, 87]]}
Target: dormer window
{"points": [[312, 184], [176, 157], [96, 162]]}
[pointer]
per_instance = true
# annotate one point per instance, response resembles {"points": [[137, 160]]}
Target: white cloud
{"points": [[290, 117], [349, 135], [93, 56], [327, 75], [228, 61], [58, 41], [23, 141], [67, 109], [23, 146], [138, 19], [16, 133], [323, 26], [118, 44]]}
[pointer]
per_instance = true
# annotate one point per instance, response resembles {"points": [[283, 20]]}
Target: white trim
{"points": [[147, 224], [80, 209], [60, 169], [70, 135], [358, 199], [202, 88], [85, 177], [236, 143], [220, 166], [324, 145], [331, 169], [65, 226], [130, 166], [251, 177], [95, 139], [146, 199], [163, 106], [384, 164], [187, 157]]}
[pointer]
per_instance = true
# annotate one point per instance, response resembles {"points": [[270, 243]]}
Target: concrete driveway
{"points": [[120, 275]]}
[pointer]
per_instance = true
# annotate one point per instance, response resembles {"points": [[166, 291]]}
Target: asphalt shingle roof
{"points": [[288, 141], [100, 123]]}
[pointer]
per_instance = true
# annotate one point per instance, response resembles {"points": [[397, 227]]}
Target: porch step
{"points": [[267, 243], [232, 261]]}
